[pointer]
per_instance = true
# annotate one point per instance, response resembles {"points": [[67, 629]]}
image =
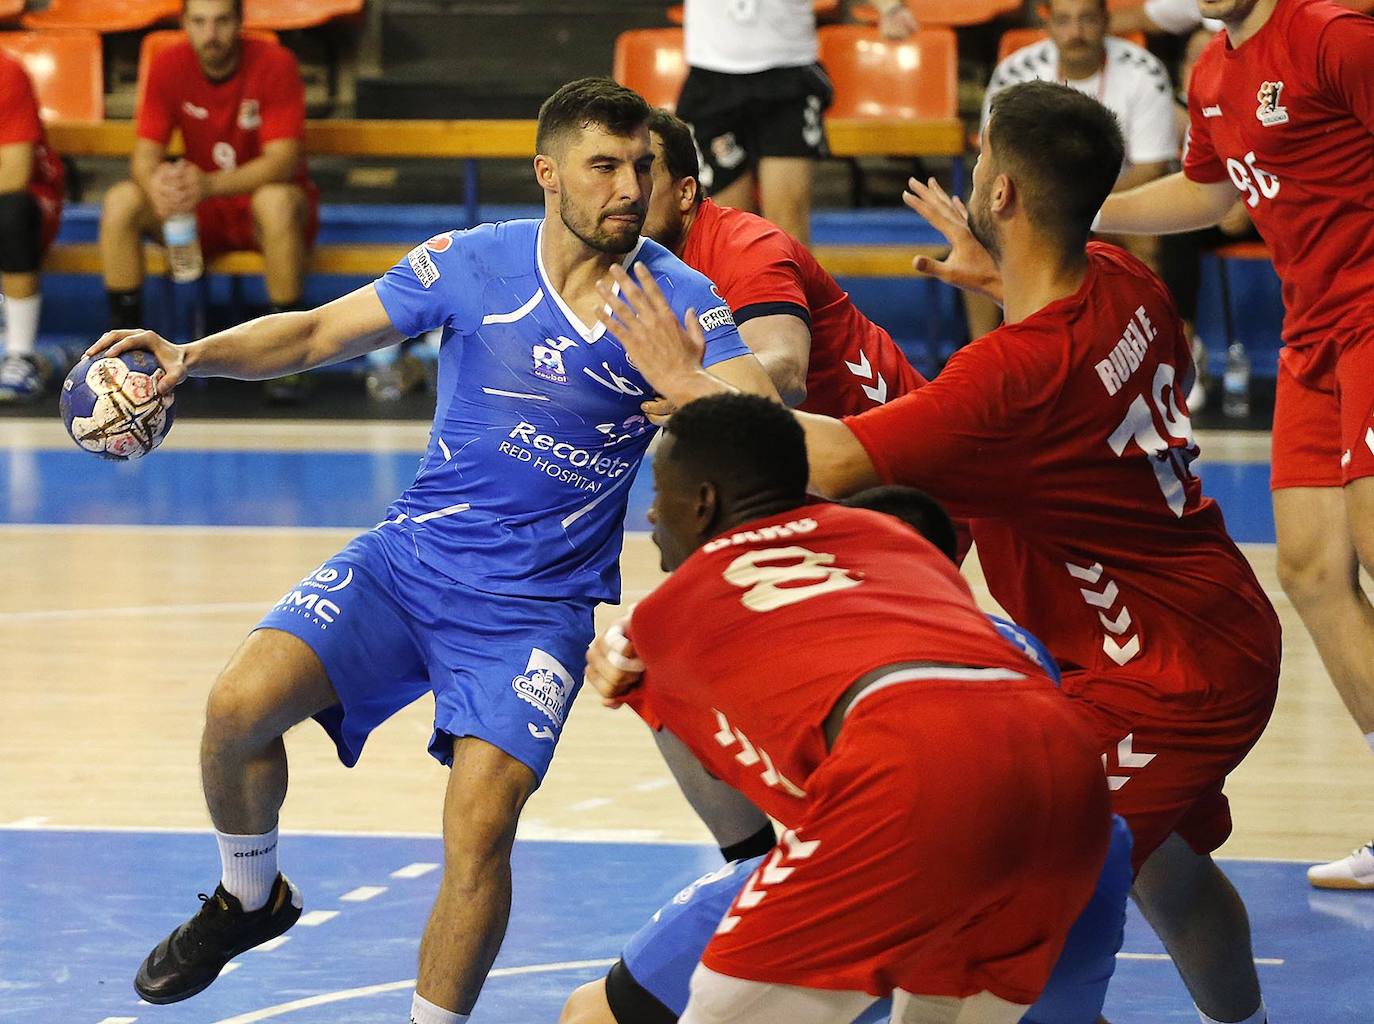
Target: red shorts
{"points": [[225, 223], [953, 836], [1167, 754], [1324, 411], [49, 201]]}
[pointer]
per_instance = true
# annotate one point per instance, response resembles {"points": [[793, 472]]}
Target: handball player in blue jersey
{"points": [[478, 584]]}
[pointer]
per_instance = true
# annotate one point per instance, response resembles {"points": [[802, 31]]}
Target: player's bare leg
{"points": [[280, 212], [487, 789], [588, 1005], [273, 681], [126, 217], [740, 194], [1201, 920], [785, 192]]}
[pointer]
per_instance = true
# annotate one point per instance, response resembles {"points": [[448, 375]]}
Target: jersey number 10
{"points": [[1169, 461]]}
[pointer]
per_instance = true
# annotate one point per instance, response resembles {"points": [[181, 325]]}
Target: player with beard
{"points": [[1064, 437], [480, 583]]}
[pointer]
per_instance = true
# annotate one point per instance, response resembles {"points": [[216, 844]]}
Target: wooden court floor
{"points": [[110, 637]]}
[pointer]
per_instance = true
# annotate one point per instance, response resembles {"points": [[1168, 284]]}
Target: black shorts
{"points": [[738, 119]]}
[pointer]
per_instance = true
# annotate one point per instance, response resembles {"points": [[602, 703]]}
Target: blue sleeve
{"points": [[686, 289], [435, 285]]}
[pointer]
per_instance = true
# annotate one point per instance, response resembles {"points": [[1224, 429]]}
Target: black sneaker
{"points": [[189, 959]]}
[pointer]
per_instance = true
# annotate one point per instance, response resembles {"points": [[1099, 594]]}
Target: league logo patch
{"points": [[250, 116], [713, 318], [423, 264], [440, 243], [727, 151], [1270, 112], [546, 684], [548, 365]]}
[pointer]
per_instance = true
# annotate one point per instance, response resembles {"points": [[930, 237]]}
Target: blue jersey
{"points": [[1028, 644], [537, 429]]}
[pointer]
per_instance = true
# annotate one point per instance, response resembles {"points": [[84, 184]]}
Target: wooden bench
{"points": [[475, 140]]}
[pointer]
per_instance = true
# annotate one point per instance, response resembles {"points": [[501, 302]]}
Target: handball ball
{"points": [[111, 406]]}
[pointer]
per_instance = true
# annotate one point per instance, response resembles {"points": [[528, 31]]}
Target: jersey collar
{"points": [[591, 335]]}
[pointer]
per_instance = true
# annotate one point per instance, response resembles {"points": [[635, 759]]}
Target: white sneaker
{"points": [[1353, 872]]}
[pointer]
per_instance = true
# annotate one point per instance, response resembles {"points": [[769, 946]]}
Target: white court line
{"points": [[588, 805], [531, 831], [362, 894], [325, 998], [1261, 960], [230, 968], [271, 944], [653, 784], [135, 611], [36, 821], [118, 1020], [315, 918], [414, 870]]}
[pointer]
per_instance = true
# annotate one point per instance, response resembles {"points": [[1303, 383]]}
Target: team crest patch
{"points": [[546, 684], [1270, 111], [548, 365], [440, 243], [250, 116], [713, 318]]}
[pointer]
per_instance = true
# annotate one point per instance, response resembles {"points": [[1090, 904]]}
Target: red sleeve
{"points": [[157, 112], [763, 277], [960, 437], [283, 99], [18, 106], [1200, 161], [1345, 66]]}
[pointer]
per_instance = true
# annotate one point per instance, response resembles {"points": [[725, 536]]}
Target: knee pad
{"points": [[21, 233]]}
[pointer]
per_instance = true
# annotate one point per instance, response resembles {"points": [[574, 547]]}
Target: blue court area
{"points": [[348, 489], [72, 936]]}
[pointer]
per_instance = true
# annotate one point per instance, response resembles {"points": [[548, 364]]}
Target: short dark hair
{"points": [[916, 508], [744, 444], [238, 8], [1062, 149], [587, 102], [679, 147]]}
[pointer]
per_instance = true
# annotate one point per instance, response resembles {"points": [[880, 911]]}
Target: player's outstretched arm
{"points": [[271, 346], [613, 669], [968, 266], [1166, 206], [840, 465]]}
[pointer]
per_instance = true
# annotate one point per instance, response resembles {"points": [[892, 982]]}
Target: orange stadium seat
{"points": [[11, 9], [155, 42], [67, 72], [946, 12], [909, 79], [1014, 39], [651, 62], [103, 15], [287, 15]]}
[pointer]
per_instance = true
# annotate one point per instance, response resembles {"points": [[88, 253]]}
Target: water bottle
{"points": [[1235, 383], [183, 248]]}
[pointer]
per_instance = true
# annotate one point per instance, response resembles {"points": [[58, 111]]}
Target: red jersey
{"points": [[1288, 116], [761, 270], [225, 124], [20, 122], [1066, 439], [800, 606]]}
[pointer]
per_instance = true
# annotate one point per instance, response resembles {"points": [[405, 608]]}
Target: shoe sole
{"points": [[1344, 884], [163, 999]]}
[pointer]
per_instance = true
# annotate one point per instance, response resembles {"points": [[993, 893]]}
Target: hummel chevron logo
{"points": [[864, 371], [1105, 599], [1121, 653], [772, 872], [1118, 625], [1091, 574], [727, 736], [1126, 757]]}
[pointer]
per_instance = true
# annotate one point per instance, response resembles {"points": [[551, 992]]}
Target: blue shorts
{"points": [[662, 955], [389, 629]]}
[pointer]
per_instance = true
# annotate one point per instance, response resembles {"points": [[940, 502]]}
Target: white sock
{"points": [[1369, 738], [21, 321], [1260, 1016], [248, 866], [422, 1011]]}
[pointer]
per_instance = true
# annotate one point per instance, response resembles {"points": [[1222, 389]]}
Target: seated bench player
{"points": [[865, 689]]}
